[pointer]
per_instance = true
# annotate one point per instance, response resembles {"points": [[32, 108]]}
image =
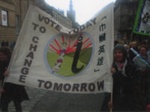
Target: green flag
{"points": [[142, 21]]}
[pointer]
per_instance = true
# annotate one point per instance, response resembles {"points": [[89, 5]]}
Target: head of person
{"points": [[143, 50], [126, 46], [120, 53], [5, 53], [133, 44]]}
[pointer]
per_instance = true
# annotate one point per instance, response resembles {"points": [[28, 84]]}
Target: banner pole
{"points": [[111, 98], [111, 103], [131, 37]]}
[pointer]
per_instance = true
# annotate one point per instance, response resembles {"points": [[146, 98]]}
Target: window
{"points": [[17, 24], [4, 20]]}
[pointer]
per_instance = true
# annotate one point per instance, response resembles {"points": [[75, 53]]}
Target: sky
{"points": [[84, 9]]}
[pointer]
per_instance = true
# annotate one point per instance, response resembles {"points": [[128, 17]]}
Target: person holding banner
{"points": [[123, 73], [9, 92]]}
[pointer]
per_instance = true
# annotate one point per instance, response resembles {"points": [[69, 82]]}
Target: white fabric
{"points": [[44, 53]]}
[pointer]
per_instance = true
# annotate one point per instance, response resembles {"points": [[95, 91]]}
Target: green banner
{"points": [[142, 20]]}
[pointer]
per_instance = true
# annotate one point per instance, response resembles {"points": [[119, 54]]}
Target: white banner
{"points": [[50, 56]]}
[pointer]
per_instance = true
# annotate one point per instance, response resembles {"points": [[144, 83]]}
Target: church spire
{"points": [[71, 12], [71, 6]]}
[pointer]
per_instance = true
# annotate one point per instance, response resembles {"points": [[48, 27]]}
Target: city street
{"points": [[61, 102], [49, 101]]}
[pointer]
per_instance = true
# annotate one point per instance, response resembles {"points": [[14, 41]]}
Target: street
{"points": [[62, 102], [49, 101]]}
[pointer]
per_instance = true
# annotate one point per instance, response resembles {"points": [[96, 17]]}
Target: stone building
{"points": [[7, 22], [124, 17], [13, 13], [56, 13]]}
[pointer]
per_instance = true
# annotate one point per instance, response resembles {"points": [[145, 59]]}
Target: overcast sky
{"points": [[85, 9]]}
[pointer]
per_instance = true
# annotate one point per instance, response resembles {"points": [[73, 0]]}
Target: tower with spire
{"points": [[71, 12]]}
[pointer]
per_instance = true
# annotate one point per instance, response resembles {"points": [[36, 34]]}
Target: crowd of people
{"points": [[131, 79], [130, 72]]}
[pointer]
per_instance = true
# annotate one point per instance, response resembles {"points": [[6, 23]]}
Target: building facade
{"points": [[7, 21], [124, 17], [13, 13]]}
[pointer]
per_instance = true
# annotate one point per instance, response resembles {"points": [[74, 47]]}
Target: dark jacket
{"points": [[12, 91], [123, 86], [143, 87], [148, 91]]}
